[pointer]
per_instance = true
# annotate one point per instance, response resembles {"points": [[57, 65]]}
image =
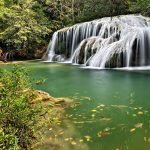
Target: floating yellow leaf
{"points": [[94, 110], [88, 138], [138, 125], [132, 130], [73, 143], [81, 140], [67, 139], [140, 113]]}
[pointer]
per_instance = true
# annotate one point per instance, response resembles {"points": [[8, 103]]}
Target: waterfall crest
{"points": [[121, 41]]}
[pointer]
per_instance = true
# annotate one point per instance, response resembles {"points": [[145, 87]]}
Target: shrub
{"points": [[17, 115]]}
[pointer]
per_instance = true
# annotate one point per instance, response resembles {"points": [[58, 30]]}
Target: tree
{"points": [[140, 6], [21, 26], [93, 9]]}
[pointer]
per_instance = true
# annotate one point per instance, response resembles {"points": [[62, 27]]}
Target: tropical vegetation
{"points": [[29, 24]]}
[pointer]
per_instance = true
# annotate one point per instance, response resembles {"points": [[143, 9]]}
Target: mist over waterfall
{"points": [[121, 41]]}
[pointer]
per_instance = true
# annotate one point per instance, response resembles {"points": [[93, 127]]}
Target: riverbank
{"points": [[10, 62], [28, 112], [50, 120], [18, 61]]}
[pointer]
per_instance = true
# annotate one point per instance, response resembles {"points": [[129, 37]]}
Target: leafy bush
{"points": [[17, 115]]}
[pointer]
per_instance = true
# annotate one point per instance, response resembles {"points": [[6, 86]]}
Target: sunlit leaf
{"points": [[132, 130], [138, 125], [88, 138], [103, 133], [140, 113], [73, 143], [94, 110], [107, 129], [81, 140]]}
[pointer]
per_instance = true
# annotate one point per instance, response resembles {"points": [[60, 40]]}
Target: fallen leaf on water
{"points": [[102, 105], [88, 98], [107, 129], [132, 130], [93, 115], [73, 143], [103, 133], [138, 125], [134, 115], [88, 138], [105, 119], [61, 133], [81, 140], [94, 110], [145, 139], [67, 139], [140, 113]]}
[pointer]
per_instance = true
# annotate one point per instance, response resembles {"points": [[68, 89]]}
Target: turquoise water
{"points": [[114, 106]]}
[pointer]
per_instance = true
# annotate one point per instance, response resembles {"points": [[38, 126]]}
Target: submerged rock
{"points": [[41, 96]]}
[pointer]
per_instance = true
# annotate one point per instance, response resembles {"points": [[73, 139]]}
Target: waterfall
{"points": [[120, 41]]}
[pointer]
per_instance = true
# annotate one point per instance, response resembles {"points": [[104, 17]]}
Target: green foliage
{"points": [[17, 115], [140, 6], [93, 9], [21, 26], [28, 24]]}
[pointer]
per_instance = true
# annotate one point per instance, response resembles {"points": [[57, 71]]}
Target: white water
{"points": [[122, 41]]}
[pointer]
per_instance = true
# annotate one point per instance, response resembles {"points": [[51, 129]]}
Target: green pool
{"points": [[114, 110]]}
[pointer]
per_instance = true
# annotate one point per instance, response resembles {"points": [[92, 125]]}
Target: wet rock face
{"points": [[105, 43]]}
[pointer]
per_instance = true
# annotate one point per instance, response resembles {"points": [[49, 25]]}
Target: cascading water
{"points": [[121, 41]]}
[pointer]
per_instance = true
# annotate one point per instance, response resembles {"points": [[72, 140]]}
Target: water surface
{"points": [[114, 106]]}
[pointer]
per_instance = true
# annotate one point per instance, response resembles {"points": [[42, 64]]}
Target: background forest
{"points": [[27, 25]]}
